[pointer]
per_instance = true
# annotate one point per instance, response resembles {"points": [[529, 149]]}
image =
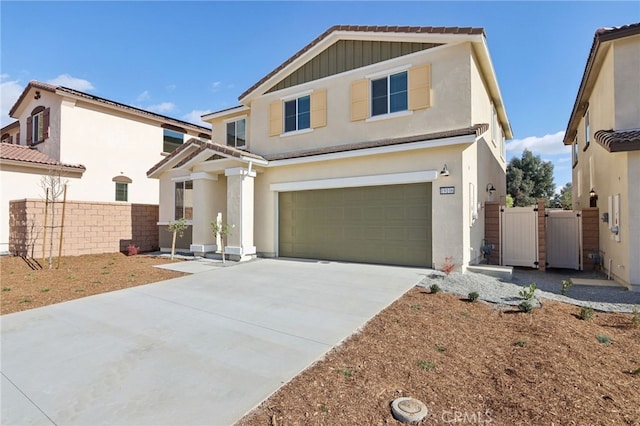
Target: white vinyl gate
{"points": [[520, 236], [563, 239]]}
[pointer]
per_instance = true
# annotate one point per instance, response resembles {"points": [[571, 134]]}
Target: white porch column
{"points": [[240, 213], [204, 212]]}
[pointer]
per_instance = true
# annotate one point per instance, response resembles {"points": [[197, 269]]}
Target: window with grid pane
{"points": [[184, 200], [236, 133], [122, 191], [297, 114], [389, 94]]}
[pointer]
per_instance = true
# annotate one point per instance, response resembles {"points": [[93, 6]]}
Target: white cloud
{"points": [[144, 96], [72, 82], [216, 85], [162, 107], [195, 117], [10, 91], [545, 145]]}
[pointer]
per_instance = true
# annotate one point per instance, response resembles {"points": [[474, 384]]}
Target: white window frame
{"points": [[236, 120], [37, 127], [574, 152], [382, 76], [587, 130], [296, 99], [183, 182], [126, 192]]}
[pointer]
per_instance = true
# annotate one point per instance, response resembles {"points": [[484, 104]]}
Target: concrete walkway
{"points": [[200, 349]]}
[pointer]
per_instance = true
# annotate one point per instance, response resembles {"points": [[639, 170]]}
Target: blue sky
{"points": [[184, 59]]}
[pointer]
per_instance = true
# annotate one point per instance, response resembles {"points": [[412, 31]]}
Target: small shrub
{"points": [[525, 306], [465, 314], [26, 300], [585, 313], [528, 291], [44, 290], [426, 365], [636, 372], [345, 372], [566, 285], [473, 296], [635, 316], [605, 340], [132, 250], [416, 307], [440, 348], [448, 266], [521, 343], [6, 288], [435, 288], [324, 409]]}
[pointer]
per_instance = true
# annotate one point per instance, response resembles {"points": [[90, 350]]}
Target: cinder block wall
{"points": [[89, 227], [542, 237]]}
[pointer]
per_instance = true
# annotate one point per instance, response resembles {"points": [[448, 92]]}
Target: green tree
{"points": [[563, 199], [529, 179]]}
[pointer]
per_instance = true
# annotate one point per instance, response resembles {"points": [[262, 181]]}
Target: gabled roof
{"points": [[619, 141], [61, 90], [30, 156], [397, 33], [10, 126], [193, 148], [601, 41], [362, 29]]}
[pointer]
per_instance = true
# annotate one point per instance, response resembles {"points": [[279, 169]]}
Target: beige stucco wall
{"points": [[450, 90], [613, 105], [19, 183], [627, 83], [51, 146]]}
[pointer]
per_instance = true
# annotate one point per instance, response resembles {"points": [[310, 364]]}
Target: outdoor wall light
{"points": [[593, 198], [444, 171], [491, 189]]}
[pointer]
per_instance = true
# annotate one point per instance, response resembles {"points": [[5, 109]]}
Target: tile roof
{"points": [[365, 28], [15, 124], [580, 105], [25, 154], [107, 102], [476, 129], [620, 140], [202, 146]]}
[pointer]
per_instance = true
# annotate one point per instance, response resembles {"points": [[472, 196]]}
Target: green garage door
{"points": [[374, 224]]}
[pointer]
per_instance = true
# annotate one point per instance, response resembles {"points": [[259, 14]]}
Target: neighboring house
{"points": [[371, 144], [604, 131], [115, 143]]}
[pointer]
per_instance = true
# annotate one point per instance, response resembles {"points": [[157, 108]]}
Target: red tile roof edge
{"points": [[25, 154]]}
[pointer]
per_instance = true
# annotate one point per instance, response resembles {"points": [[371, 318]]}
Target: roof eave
{"points": [[79, 170], [223, 113]]}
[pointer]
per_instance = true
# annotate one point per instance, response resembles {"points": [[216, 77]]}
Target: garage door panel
{"points": [[381, 224]]}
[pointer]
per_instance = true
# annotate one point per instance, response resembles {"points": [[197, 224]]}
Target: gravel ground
{"points": [[549, 284]]}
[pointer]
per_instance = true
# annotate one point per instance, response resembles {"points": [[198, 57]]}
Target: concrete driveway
{"points": [[202, 349]]}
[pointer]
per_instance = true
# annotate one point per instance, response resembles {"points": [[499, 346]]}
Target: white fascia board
{"points": [[213, 115], [407, 37], [375, 151], [482, 51], [357, 181]]}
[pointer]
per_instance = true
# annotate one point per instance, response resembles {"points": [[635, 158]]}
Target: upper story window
{"points": [[237, 133], [575, 152], [184, 200], [503, 144], [389, 94], [38, 125], [6, 138], [171, 140], [297, 114], [587, 130]]}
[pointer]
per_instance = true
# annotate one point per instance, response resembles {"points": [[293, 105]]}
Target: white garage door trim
{"points": [[350, 182]]}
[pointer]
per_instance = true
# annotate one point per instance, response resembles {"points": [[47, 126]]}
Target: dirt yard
{"points": [[471, 363], [24, 287]]}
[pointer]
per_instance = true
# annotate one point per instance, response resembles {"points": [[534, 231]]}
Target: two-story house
{"points": [[61, 128], [604, 131], [371, 144]]}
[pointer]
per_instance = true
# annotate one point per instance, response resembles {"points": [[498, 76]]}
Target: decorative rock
{"points": [[408, 410]]}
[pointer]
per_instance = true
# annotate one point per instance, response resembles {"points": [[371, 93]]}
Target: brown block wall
{"points": [[542, 237], [590, 238], [89, 227], [492, 230]]}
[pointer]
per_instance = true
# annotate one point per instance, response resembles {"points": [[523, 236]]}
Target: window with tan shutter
{"points": [[318, 109], [275, 118], [360, 100], [420, 87]]}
